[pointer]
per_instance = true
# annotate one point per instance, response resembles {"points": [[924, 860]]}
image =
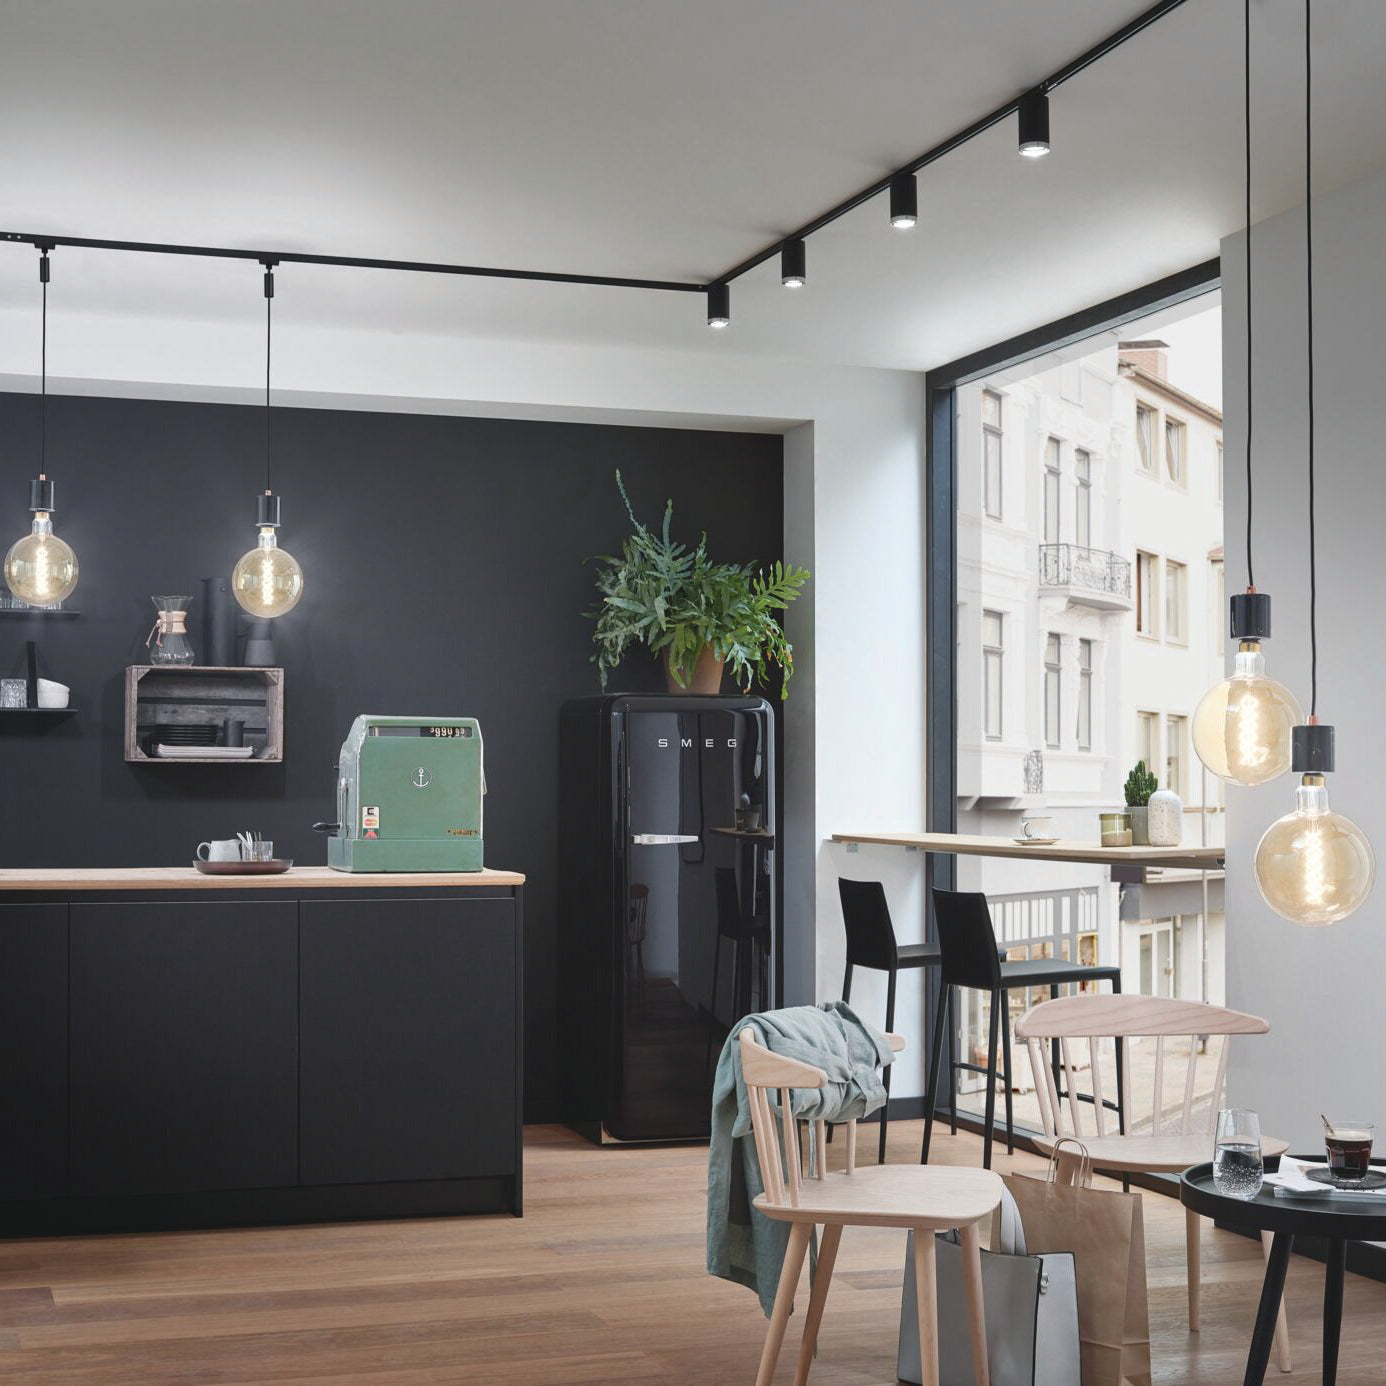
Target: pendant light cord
{"points": [[1309, 302], [43, 367], [1250, 567], [269, 338]]}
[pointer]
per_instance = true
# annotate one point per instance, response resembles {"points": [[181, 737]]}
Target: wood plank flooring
{"points": [[602, 1281]]}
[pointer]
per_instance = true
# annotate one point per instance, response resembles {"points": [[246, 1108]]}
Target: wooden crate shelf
{"points": [[159, 695]]}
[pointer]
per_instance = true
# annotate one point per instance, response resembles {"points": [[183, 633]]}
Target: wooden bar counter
{"points": [[193, 1050]]}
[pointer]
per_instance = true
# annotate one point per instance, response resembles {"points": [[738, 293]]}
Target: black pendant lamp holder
{"points": [[1311, 748], [1251, 615], [268, 505], [41, 488]]}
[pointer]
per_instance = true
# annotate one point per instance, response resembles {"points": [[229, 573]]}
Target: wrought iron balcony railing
{"points": [[1088, 570]]}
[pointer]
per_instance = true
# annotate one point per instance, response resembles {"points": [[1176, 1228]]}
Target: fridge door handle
{"points": [[660, 839]]}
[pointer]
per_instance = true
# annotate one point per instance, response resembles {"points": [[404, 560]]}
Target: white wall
{"points": [[1319, 988], [854, 513]]}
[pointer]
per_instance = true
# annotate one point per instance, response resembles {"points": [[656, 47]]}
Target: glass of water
{"points": [[1237, 1165]]}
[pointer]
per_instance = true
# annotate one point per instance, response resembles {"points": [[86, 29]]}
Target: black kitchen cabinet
{"points": [[33, 1039], [184, 1021], [408, 1069], [310, 1047]]}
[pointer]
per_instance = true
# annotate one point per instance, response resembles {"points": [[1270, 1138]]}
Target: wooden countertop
{"points": [[298, 878], [966, 845]]}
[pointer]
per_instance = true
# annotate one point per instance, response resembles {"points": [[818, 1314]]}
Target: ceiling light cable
{"points": [[1250, 567]]}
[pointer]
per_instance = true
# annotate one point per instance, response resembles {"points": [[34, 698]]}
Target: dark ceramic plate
{"points": [[245, 868]]}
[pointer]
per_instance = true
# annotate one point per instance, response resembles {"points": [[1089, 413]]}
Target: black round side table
{"points": [[1338, 1220]]}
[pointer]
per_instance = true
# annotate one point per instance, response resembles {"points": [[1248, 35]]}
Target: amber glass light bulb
{"points": [[40, 568], [267, 581], [1314, 866], [1242, 727]]}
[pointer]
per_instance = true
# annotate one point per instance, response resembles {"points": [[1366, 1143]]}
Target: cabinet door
{"points": [[408, 1039], [184, 1021], [33, 1039]]}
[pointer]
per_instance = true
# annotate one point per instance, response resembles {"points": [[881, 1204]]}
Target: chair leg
{"points": [[1193, 1257], [952, 1060], [992, 1040], [935, 1056], [822, 1278], [847, 996], [1006, 1059], [1054, 1051], [784, 1298], [885, 1077], [1282, 1324], [926, 1305], [976, 1308]]}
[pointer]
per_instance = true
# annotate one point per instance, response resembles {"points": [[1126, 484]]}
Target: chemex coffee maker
{"points": [[409, 792]]}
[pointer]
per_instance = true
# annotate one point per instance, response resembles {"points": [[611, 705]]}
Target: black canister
{"points": [[218, 622]]}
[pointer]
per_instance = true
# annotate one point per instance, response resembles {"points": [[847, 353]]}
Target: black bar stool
{"points": [[871, 943], [970, 959]]}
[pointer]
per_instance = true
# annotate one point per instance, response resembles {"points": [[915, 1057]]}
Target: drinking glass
{"points": [[1349, 1147], [1237, 1165]]}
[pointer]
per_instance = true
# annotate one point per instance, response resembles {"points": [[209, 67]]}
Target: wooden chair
{"points": [[1094, 1018], [926, 1199]]}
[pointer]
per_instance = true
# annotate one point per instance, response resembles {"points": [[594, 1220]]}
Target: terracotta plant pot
{"points": [[707, 674]]}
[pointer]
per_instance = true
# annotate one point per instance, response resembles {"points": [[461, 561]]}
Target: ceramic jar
{"points": [[1165, 819]]}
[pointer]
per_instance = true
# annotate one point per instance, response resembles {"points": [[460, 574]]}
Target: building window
{"points": [[1148, 738], [1082, 514], [1145, 438], [993, 649], [1053, 674], [1219, 581], [1176, 602], [1145, 594], [1051, 491], [1175, 434], [1085, 695], [1218, 471], [991, 453], [1176, 729]]}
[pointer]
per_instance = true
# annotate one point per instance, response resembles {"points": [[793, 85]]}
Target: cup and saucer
{"points": [[1036, 831]]}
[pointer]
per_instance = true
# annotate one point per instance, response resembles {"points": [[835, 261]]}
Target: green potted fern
{"points": [[696, 616], [1140, 785]]}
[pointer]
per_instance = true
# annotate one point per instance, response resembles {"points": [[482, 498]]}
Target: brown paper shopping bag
{"points": [[1104, 1230]]}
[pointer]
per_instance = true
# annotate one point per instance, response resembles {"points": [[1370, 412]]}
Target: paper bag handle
{"points": [[1084, 1178]]}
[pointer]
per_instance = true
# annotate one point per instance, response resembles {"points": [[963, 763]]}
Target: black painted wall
{"points": [[443, 571]]}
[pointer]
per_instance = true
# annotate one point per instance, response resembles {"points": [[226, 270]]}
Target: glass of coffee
{"points": [[1349, 1146]]}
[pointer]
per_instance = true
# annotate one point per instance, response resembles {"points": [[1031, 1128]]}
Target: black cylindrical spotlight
{"points": [[1034, 124], [904, 201], [718, 305], [793, 264]]}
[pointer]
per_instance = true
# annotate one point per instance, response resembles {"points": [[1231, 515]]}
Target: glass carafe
{"points": [[168, 641]]}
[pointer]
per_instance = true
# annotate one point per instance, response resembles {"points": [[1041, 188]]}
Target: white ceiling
{"points": [[653, 138]]}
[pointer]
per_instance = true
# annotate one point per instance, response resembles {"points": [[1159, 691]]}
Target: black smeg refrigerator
{"points": [[667, 923]]}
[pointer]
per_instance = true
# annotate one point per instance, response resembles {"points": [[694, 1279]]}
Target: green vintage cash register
{"points": [[409, 792]]}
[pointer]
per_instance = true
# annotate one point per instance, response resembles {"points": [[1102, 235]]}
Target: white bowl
{"points": [[53, 695]]}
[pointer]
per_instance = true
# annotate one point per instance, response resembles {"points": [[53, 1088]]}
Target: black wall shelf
{"points": [[54, 714], [43, 611]]}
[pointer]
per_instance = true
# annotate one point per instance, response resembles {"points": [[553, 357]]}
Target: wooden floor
{"points": [[602, 1281]]}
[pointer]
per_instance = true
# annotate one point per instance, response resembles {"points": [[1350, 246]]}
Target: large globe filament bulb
{"points": [[40, 568], [1243, 727], [267, 581], [1314, 866]]}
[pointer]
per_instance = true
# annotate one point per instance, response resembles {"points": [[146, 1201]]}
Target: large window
{"points": [[1175, 436], [993, 651], [1145, 438], [1053, 481], [1147, 565], [1053, 688], [1085, 695], [1176, 602], [991, 453], [1082, 504]]}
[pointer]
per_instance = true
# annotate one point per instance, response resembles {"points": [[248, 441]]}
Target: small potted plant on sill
{"points": [[694, 615], [1140, 785]]}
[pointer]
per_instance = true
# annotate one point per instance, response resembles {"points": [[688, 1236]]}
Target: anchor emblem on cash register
{"points": [[422, 779]]}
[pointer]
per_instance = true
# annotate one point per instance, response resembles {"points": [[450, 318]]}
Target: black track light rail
{"points": [[292, 257], [1069, 70], [978, 127]]}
